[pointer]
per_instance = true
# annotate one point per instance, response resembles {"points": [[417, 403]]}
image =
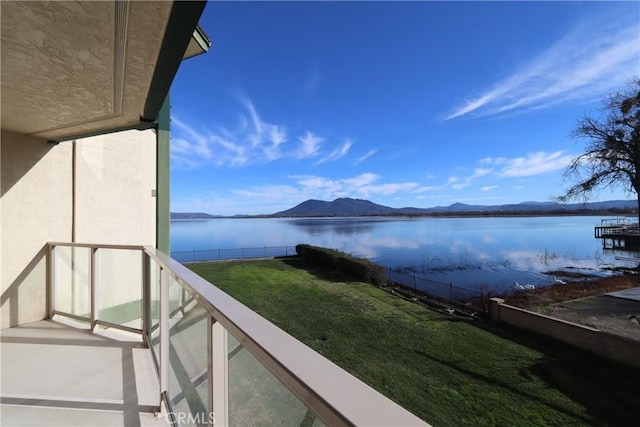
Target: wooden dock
{"points": [[618, 233]]}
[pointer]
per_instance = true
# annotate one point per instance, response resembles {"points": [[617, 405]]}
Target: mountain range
{"points": [[358, 207]]}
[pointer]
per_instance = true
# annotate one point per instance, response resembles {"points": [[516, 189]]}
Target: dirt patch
{"points": [[606, 313], [541, 299]]}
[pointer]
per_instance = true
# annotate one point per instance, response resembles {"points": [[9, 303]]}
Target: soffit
{"points": [[78, 67]]}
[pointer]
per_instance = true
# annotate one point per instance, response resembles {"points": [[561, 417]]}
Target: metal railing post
{"points": [[50, 280], [146, 297], [218, 374], [93, 272], [164, 330], [210, 391], [181, 299]]}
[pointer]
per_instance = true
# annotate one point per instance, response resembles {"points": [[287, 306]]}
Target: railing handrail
{"points": [[316, 381], [97, 245]]}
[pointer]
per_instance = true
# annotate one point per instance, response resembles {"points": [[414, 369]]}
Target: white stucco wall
{"points": [[115, 175], [35, 207], [110, 203]]}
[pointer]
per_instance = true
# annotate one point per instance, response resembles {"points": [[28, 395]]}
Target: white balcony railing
{"points": [[219, 363]]}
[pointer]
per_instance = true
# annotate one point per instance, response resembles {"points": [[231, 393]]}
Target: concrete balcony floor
{"points": [[58, 373]]}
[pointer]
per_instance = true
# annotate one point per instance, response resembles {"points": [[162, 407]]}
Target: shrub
{"points": [[361, 268]]}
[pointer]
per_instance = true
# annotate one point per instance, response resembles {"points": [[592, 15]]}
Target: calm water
{"points": [[468, 252]]}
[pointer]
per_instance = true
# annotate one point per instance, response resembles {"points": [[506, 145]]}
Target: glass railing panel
{"points": [[119, 287], [176, 295], [256, 397], [188, 364], [154, 307], [72, 280]]}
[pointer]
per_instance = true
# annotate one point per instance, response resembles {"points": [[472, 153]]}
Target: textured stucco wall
{"points": [[113, 204], [35, 207], [115, 176], [65, 73]]}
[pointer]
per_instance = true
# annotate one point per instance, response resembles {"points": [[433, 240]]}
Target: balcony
{"points": [[135, 338]]}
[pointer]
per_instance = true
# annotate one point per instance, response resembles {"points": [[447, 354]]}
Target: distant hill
{"points": [[339, 207], [357, 207], [192, 215]]}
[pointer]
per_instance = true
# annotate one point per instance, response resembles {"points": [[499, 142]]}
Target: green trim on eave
{"points": [[163, 138], [202, 38], [184, 18]]}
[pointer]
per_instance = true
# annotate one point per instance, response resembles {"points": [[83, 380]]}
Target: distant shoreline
{"points": [[605, 212], [349, 208]]}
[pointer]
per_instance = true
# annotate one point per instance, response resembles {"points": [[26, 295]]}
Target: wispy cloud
{"points": [[590, 61], [366, 156], [190, 147], [254, 141], [537, 163], [488, 188], [458, 183], [338, 153], [309, 146], [428, 189], [303, 187], [361, 180]]}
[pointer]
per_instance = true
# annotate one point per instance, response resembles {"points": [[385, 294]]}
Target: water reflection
{"points": [[339, 226], [469, 252]]}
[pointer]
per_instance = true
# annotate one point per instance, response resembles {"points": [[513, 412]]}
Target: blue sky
{"points": [[402, 103]]}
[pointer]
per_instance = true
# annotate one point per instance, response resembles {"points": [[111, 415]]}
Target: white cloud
{"points": [[479, 172], [460, 186], [309, 146], [264, 138], [428, 188], [305, 187], [387, 189], [365, 156], [493, 160], [255, 141], [362, 180], [535, 164], [587, 63], [488, 188], [458, 183], [338, 153], [191, 148]]}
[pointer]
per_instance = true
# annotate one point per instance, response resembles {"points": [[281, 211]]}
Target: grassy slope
{"points": [[445, 370]]}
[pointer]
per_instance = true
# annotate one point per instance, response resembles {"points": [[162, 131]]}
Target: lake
{"points": [[469, 252]]}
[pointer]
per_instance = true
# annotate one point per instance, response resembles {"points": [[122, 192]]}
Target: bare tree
{"points": [[612, 153]]}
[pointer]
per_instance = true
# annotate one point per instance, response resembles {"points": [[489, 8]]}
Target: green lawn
{"points": [[447, 371]]}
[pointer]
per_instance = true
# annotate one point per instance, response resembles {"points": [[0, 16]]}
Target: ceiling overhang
{"points": [[77, 68]]}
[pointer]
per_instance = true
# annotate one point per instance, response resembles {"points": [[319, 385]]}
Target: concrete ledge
{"points": [[614, 347]]}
